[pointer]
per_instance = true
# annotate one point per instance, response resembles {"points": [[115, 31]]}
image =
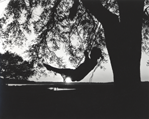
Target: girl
{"points": [[81, 71]]}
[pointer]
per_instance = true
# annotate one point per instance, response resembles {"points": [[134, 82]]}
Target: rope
{"points": [[99, 62]]}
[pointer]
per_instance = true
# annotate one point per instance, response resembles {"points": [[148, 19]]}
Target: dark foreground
{"points": [[84, 101]]}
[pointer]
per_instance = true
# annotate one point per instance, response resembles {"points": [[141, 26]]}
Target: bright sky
{"points": [[3, 4], [100, 75]]}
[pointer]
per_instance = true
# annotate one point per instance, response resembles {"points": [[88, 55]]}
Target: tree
{"points": [[61, 20], [14, 68], [123, 38], [53, 29]]}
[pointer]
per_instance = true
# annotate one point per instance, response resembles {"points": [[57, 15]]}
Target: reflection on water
{"points": [[60, 89], [50, 86]]}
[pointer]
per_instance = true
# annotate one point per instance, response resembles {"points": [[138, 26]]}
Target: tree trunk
{"points": [[123, 38], [125, 51]]}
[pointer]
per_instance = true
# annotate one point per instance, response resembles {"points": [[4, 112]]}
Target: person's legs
{"points": [[67, 72]]}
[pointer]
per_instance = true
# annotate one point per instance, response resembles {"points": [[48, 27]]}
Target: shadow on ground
{"points": [[87, 101]]}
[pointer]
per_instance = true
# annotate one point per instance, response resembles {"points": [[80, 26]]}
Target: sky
{"points": [[100, 75], [3, 4]]}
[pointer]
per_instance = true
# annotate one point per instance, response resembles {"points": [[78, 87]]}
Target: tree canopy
{"points": [[13, 67], [59, 24]]}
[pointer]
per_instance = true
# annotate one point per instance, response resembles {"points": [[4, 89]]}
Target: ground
{"points": [[84, 101]]}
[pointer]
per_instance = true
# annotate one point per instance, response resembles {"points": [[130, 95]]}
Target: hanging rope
{"points": [[98, 64]]}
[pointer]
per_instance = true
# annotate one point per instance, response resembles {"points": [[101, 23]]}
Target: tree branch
{"points": [[101, 13], [146, 13]]}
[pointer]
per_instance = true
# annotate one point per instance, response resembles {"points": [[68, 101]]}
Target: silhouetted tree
{"points": [[123, 37], [14, 68], [60, 22], [53, 29]]}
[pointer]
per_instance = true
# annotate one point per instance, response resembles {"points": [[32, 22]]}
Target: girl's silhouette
{"points": [[81, 71]]}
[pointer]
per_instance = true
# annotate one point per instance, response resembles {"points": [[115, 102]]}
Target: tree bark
{"points": [[123, 37], [130, 27]]}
